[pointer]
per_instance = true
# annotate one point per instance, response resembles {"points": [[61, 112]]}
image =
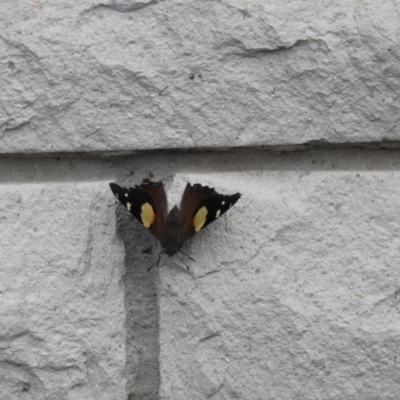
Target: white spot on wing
{"points": [[218, 214], [128, 206], [223, 202], [126, 194]]}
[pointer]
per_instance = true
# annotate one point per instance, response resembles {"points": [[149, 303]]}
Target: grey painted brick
{"points": [[125, 75], [292, 295], [62, 333]]}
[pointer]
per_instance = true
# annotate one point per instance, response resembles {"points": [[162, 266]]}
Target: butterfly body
{"points": [[200, 205], [171, 235]]}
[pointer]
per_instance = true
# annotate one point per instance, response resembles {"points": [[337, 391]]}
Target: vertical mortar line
{"points": [[142, 326]]}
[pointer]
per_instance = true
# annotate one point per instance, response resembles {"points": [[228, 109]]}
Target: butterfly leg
{"points": [[187, 255], [157, 262], [183, 261]]}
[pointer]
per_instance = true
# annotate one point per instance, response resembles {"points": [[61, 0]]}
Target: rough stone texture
{"points": [[62, 313], [127, 75], [293, 295]]}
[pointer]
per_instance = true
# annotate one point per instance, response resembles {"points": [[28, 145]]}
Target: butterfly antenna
{"points": [[183, 261], [187, 255], [158, 260]]}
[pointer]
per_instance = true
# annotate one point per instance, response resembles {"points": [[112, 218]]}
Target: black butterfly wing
{"points": [[200, 206], [147, 203]]}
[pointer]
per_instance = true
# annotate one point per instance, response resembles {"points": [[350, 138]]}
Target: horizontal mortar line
{"points": [[386, 144], [86, 168]]}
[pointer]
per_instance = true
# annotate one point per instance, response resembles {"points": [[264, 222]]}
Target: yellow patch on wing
{"points": [[200, 218], [147, 215]]}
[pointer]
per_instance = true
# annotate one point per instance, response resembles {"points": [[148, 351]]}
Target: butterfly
{"points": [[200, 205]]}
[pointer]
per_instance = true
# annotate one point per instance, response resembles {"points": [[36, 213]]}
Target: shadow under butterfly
{"points": [[200, 205]]}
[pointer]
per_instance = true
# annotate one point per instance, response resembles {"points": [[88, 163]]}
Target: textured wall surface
{"points": [[120, 75], [294, 293], [62, 307], [294, 296]]}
